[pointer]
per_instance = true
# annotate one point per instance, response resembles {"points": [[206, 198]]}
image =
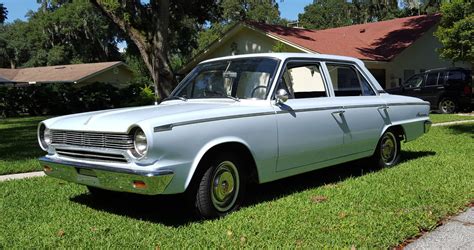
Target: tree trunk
{"points": [[151, 39]]}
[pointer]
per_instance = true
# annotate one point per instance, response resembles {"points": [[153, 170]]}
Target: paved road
{"points": [[457, 233]]}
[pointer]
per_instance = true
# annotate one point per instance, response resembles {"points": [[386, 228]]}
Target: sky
{"points": [[17, 9]]}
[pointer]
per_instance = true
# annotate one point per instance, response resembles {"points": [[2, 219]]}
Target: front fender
{"points": [[208, 146]]}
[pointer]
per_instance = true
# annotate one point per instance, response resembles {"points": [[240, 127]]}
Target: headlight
{"points": [[140, 143], [44, 137]]}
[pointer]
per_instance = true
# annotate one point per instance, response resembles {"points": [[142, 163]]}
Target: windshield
{"points": [[244, 78]]}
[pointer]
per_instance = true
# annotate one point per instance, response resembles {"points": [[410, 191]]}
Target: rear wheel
{"points": [[447, 106], [387, 153], [220, 189]]}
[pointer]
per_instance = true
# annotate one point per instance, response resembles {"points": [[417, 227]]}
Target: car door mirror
{"points": [[282, 96]]}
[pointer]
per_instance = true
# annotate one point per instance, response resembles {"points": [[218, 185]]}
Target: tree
{"points": [[325, 14], [456, 31], [151, 26], [63, 32], [3, 13], [265, 11]]}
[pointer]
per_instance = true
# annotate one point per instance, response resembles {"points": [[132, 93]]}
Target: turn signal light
{"points": [[47, 169], [139, 184]]}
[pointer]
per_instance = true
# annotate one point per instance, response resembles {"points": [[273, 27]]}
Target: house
{"points": [[114, 73], [392, 50]]}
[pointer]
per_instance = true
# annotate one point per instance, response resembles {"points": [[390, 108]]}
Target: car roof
{"points": [[284, 56], [446, 69]]}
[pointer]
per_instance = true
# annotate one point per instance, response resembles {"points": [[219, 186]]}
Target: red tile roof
{"points": [[58, 73], [379, 41]]}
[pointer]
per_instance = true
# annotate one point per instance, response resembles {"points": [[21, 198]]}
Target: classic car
{"points": [[231, 121]]}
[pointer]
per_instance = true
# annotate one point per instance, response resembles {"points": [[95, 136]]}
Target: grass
{"points": [[19, 147], [439, 118], [342, 206]]}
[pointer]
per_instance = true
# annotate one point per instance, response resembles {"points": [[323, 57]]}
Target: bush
{"points": [[60, 99]]}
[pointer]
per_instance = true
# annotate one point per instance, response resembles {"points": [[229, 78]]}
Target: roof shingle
{"points": [[379, 41]]}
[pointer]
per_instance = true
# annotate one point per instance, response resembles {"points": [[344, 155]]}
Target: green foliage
{"points": [[326, 14], [61, 32], [456, 31], [60, 99], [265, 11], [278, 47], [3, 13]]}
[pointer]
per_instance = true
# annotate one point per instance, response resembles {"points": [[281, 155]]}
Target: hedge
{"points": [[60, 98]]}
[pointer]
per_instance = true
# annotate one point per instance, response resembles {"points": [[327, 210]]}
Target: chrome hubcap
{"points": [[448, 106], [225, 186], [388, 150]]}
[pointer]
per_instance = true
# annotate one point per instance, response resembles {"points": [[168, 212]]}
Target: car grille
{"points": [[91, 139], [79, 154]]}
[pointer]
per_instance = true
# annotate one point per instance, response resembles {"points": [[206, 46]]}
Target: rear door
{"points": [[433, 87], [364, 114]]}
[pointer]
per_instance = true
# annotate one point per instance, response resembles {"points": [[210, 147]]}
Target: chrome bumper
{"points": [[116, 179]]}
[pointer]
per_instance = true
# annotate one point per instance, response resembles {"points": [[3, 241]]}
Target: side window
{"points": [[432, 79], [414, 82], [304, 80], [455, 77], [347, 81]]}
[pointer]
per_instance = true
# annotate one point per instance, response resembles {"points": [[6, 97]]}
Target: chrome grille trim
{"points": [[80, 154], [92, 139]]}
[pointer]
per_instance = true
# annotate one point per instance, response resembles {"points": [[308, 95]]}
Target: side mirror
{"points": [[281, 96]]}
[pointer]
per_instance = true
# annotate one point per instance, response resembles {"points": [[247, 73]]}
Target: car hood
{"points": [[122, 120]]}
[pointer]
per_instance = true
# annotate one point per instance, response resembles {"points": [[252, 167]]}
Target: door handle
{"points": [[383, 107], [416, 89], [440, 87]]}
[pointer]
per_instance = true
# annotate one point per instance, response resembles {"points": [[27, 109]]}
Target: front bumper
{"points": [[427, 126], [115, 179]]}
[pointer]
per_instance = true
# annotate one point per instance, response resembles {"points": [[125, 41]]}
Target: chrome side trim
{"points": [[171, 126], [408, 103], [309, 109]]}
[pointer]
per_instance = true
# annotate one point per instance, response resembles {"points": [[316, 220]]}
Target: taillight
{"points": [[467, 90]]}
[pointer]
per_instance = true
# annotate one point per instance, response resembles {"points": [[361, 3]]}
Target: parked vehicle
{"points": [[448, 90], [235, 120]]}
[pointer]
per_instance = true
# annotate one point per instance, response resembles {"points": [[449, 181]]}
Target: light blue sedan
{"points": [[232, 121]]}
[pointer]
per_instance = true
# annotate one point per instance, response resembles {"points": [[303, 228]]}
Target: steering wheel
{"points": [[258, 87]]}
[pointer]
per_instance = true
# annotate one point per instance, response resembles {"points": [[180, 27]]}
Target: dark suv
{"points": [[448, 89]]}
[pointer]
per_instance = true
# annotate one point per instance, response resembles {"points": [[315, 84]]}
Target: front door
{"points": [[308, 131]]}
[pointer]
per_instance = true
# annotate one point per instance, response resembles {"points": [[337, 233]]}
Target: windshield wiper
{"points": [[174, 97]]}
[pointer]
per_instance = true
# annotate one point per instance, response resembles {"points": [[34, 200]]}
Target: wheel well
{"points": [[233, 147], [399, 132]]}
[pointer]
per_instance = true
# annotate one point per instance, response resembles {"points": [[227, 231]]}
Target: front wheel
{"points": [[387, 153], [221, 188], [447, 106]]}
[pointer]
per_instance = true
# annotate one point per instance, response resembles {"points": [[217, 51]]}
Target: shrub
{"points": [[60, 98]]}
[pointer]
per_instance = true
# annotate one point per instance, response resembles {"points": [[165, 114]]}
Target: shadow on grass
{"points": [[172, 210], [19, 142], [463, 129]]}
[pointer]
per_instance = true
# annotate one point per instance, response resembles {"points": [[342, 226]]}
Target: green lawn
{"points": [[343, 206], [438, 118], [19, 147]]}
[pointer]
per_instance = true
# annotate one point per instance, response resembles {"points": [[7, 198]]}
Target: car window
{"points": [[456, 77], [303, 80], [347, 81], [432, 79], [242, 78], [414, 82]]}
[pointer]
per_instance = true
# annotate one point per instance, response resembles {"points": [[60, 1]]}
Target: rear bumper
{"points": [[115, 179]]}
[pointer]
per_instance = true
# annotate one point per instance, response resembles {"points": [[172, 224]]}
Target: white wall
{"points": [[421, 55]]}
